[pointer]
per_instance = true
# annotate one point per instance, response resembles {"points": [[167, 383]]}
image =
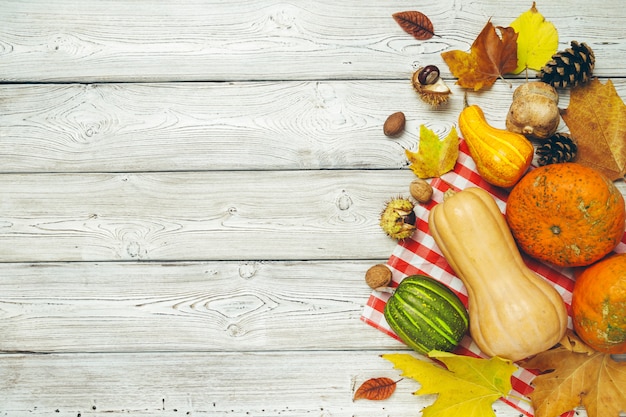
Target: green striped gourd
{"points": [[426, 315]]}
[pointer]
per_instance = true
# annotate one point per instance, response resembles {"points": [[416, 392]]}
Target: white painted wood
{"points": [[213, 40], [182, 306], [230, 215], [170, 247], [224, 126], [292, 384]]}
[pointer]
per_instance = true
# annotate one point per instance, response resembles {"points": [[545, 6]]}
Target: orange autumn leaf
{"points": [[596, 118], [574, 376], [491, 56], [376, 389]]}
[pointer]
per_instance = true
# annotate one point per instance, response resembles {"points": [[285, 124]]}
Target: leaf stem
{"points": [[515, 397]]}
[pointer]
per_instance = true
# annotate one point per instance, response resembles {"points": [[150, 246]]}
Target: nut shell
{"points": [[421, 190], [394, 125], [378, 276], [434, 94]]}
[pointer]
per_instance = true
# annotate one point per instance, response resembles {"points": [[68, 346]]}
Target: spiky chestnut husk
{"points": [[398, 218], [434, 94]]}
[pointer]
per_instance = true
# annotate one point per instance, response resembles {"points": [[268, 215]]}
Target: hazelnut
{"points": [[394, 125], [421, 190], [378, 276]]}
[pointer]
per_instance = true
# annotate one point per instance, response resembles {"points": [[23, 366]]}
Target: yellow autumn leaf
{"points": [[434, 157], [537, 40], [468, 387]]}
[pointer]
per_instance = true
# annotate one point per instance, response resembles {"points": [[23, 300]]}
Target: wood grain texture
{"points": [[189, 195], [225, 126], [246, 215], [212, 40], [186, 306], [240, 384]]}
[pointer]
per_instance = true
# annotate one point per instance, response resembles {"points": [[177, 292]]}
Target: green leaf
{"points": [[537, 40], [468, 387], [434, 157]]}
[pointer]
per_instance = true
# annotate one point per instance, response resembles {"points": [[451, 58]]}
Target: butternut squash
{"points": [[514, 313], [502, 157]]}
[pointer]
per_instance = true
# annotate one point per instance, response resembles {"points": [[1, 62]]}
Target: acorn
{"points": [[430, 86]]}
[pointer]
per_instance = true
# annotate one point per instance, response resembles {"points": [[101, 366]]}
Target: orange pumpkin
{"points": [[567, 214], [599, 305]]}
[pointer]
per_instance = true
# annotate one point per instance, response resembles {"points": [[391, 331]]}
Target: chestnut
{"points": [[428, 75]]}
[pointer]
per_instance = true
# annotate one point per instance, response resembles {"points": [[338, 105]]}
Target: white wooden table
{"points": [[189, 195]]}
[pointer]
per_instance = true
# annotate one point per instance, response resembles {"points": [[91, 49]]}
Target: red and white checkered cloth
{"points": [[420, 255]]}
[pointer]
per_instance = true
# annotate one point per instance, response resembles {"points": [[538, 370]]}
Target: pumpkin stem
{"points": [[449, 193]]}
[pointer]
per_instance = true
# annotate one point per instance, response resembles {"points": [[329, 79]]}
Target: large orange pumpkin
{"points": [[599, 305], [567, 214]]}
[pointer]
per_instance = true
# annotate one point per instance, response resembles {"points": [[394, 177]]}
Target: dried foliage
{"points": [[416, 24], [434, 157], [492, 55], [575, 375], [537, 40], [468, 387], [376, 389], [596, 117]]}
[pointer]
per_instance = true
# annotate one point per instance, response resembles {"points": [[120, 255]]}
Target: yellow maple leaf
{"points": [[434, 157], [468, 387], [537, 40]]}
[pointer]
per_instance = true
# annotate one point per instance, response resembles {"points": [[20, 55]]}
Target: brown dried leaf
{"points": [[491, 56], [416, 24], [572, 343], [376, 389], [573, 377], [596, 118]]}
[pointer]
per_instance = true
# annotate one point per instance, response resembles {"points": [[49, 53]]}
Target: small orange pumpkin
{"points": [[599, 305], [567, 214]]}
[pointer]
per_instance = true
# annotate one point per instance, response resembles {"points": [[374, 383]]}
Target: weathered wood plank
{"points": [[202, 40], [241, 384], [223, 126], [214, 126], [207, 306], [269, 215]]}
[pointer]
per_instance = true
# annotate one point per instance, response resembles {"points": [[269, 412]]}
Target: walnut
{"points": [[421, 190], [378, 276]]}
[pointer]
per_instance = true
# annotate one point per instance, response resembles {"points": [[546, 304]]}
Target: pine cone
{"points": [[570, 67], [558, 148]]}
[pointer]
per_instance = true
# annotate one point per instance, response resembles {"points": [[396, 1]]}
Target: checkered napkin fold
{"points": [[420, 255]]}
